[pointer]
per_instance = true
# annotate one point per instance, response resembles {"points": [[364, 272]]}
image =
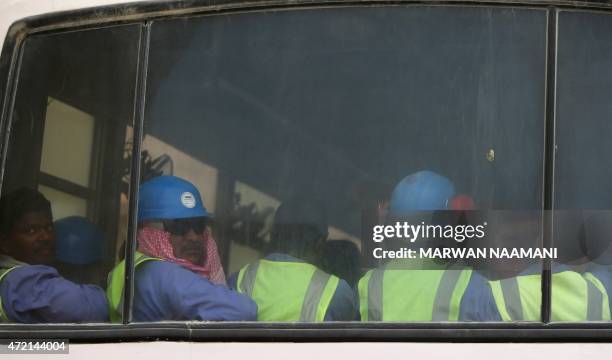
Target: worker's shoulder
{"points": [[31, 272], [162, 269], [30, 279], [156, 264]]}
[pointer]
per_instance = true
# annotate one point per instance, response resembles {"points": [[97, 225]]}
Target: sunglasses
{"points": [[182, 226]]}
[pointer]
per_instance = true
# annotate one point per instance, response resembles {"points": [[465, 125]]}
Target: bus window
{"points": [[66, 180], [583, 201], [296, 131]]}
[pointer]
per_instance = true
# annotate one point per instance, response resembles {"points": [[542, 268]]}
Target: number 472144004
{"points": [[34, 346]]}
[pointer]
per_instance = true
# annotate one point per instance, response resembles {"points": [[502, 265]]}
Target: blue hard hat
{"points": [[421, 191], [169, 197], [78, 241]]}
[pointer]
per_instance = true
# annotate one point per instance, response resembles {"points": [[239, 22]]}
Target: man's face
{"points": [[32, 239], [186, 237]]}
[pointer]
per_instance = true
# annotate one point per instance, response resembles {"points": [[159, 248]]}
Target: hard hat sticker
{"points": [[188, 200]]}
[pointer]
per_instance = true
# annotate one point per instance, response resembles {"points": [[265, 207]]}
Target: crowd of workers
{"points": [[46, 269]]}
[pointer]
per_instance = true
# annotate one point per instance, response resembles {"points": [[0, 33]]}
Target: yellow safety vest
{"points": [[574, 298], [395, 294], [116, 283], [287, 291], [3, 272]]}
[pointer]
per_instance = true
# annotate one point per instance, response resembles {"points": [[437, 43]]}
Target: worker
{"points": [[424, 290], [286, 285], [178, 275], [576, 296], [31, 291]]}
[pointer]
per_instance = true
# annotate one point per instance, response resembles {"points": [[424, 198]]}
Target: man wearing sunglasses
{"points": [[178, 273]]}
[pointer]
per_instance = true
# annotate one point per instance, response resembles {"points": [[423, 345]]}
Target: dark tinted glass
{"points": [[583, 172], [68, 140], [339, 105]]}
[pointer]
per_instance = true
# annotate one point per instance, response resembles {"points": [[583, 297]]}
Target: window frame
{"points": [[144, 14]]}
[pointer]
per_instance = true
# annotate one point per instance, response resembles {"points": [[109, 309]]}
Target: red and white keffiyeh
{"points": [[156, 243]]}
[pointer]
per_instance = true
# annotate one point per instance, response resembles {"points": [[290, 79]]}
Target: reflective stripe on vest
{"points": [[304, 291], [574, 298], [602, 289], [3, 272], [115, 284], [412, 295]]}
